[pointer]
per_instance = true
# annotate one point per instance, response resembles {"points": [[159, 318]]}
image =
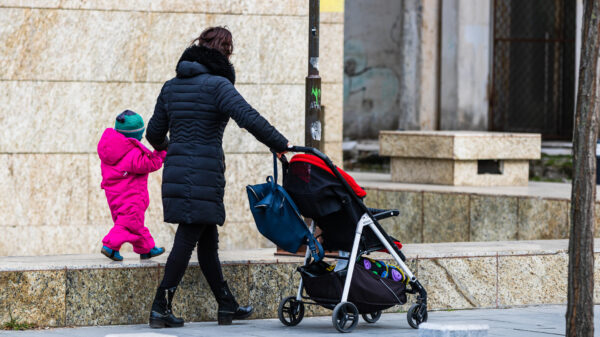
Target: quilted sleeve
{"points": [[158, 126], [229, 101]]}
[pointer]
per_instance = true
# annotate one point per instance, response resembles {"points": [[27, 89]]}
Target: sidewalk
{"points": [[540, 321]]}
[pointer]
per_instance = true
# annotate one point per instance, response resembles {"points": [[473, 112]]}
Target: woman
{"points": [[194, 108]]}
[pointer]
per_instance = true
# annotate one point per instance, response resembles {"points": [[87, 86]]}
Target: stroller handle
{"points": [[311, 150]]}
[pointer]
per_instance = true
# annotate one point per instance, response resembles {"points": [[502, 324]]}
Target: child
{"points": [[125, 164]]}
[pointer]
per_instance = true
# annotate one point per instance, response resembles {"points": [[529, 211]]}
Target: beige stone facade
{"points": [[68, 67]]}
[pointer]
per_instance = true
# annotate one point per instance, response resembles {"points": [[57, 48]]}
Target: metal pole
{"points": [[314, 121]]}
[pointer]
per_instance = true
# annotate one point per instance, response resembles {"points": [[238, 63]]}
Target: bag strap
{"points": [[316, 249], [275, 167], [313, 245]]}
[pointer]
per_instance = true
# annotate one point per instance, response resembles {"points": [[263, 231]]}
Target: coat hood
{"points": [[113, 146], [196, 60]]}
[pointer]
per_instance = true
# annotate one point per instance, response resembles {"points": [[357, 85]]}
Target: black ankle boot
{"points": [[161, 315], [229, 309]]}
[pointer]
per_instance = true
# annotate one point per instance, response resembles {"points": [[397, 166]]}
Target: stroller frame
{"points": [[346, 312]]}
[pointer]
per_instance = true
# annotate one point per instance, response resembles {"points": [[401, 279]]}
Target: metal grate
{"points": [[533, 84]]}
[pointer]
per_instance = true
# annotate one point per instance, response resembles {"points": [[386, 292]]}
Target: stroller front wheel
{"points": [[345, 317], [290, 311], [416, 315], [372, 317]]}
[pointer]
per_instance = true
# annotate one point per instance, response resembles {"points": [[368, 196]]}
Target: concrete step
{"points": [[80, 290]]}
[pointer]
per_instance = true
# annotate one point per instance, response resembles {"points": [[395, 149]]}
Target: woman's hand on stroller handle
{"points": [[279, 154]]}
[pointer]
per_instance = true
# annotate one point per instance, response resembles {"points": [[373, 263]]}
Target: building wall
{"points": [[68, 67], [390, 66], [465, 64], [416, 65]]}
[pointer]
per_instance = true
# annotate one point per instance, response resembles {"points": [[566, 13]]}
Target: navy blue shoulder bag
{"points": [[278, 219]]}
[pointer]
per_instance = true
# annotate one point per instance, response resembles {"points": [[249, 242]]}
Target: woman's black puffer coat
{"points": [[194, 108]]}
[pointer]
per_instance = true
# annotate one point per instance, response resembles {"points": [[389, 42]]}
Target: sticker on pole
{"points": [[314, 62], [315, 130]]}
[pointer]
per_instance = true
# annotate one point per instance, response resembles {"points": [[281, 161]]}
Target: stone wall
{"points": [[68, 67], [437, 213]]}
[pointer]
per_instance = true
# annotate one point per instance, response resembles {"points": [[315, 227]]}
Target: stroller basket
{"points": [[369, 292]]}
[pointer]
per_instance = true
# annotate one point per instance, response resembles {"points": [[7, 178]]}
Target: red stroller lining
{"points": [[314, 160]]}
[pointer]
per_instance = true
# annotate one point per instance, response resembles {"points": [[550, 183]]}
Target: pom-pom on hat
{"points": [[130, 124]]}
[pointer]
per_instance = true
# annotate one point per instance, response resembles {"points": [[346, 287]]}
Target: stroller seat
{"points": [[320, 196]]}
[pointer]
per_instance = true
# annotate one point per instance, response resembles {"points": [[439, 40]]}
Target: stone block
{"points": [[194, 300], [445, 217], [91, 107], [460, 172], [331, 17], [406, 227], [135, 45], [243, 170], [242, 235], [493, 218], [99, 45], [270, 284], [423, 171], [459, 282], [170, 33], [456, 157], [460, 145], [34, 297], [514, 173], [55, 239], [331, 62], [260, 7], [110, 296], [332, 96], [543, 219], [282, 59], [44, 189], [267, 7], [532, 279]]}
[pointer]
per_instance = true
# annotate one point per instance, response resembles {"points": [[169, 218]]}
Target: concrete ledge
{"points": [[89, 290], [438, 213]]}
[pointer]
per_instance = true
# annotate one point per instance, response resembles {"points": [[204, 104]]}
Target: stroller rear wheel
{"points": [[290, 311], [372, 317], [345, 317], [416, 315]]}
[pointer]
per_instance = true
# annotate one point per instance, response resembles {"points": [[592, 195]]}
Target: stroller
{"points": [[333, 201]]}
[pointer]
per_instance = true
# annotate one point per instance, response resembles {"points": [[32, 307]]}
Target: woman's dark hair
{"points": [[218, 38]]}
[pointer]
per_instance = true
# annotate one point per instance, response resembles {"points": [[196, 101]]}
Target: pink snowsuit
{"points": [[125, 164]]}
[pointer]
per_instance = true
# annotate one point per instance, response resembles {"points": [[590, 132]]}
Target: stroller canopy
{"points": [[316, 161]]}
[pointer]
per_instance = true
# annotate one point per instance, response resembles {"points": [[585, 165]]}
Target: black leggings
{"points": [[186, 238]]}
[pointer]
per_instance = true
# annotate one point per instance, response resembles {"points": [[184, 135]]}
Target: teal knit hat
{"points": [[130, 124]]}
